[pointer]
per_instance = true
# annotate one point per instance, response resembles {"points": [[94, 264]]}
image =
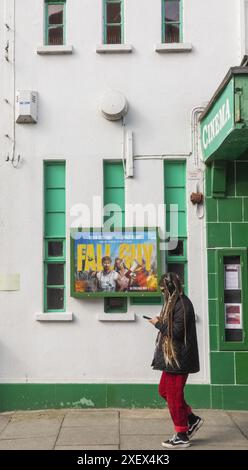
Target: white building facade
{"points": [[82, 354]]}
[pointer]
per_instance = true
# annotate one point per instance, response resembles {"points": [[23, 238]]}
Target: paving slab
{"points": [[41, 443], [143, 442], [4, 420], [218, 435], [141, 426], [95, 418], [109, 447], [31, 426], [146, 413], [215, 418], [90, 435], [240, 418], [110, 429]]}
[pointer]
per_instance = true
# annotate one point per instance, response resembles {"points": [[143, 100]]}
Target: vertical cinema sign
{"points": [[218, 123]]}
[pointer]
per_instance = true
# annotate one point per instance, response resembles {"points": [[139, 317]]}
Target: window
{"points": [[54, 236], [55, 23], [171, 21], [175, 193], [114, 193], [113, 22]]}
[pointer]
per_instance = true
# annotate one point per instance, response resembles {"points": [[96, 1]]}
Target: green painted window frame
{"points": [[108, 164], [185, 269], [49, 238], [170, 184], [146, 300], [106, 187], [180, 22], [220, 254], [106, 25], [54, 286], [55, 2], [55, 258]]}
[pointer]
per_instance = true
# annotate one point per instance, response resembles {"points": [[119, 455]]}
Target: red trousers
{"points": [[171, 389]]}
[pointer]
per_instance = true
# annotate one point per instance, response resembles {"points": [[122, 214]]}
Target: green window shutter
{"points": [[114, 193], [175, 193], [172, 14], [54, 199], [54, 236], [54, 175], [113, 175], [114, 188], [113, 21]]}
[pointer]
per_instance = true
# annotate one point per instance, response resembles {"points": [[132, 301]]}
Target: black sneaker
{"points": [[194, 424], [179, 440]]}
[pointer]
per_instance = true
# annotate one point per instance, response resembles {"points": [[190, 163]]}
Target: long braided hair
{"points": [[172, 290]]}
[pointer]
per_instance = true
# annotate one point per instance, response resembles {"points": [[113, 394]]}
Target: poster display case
{"points": [[124, 263], [232, 290]]}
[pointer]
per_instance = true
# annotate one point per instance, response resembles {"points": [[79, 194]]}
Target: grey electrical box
{"points": [[26, 107]]}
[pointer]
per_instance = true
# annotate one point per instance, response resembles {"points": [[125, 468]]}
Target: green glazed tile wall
{"points": [[218, 235], [222, 367], [230, 210], [227, 226], [214, 337], [241, 360], [212, 311], [216, 397], [45, 396]]}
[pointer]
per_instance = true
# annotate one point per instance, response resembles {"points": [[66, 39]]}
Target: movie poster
{"points": [[233, 316], [115, 262]]}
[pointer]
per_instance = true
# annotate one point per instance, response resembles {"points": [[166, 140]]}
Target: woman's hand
{"points": [[154, 320]]}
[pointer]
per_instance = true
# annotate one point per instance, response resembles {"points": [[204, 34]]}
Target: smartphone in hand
{"points": [[146, 317]]}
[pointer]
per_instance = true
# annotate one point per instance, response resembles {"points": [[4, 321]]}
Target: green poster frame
{"points": [[88, 295], [220, 254]]}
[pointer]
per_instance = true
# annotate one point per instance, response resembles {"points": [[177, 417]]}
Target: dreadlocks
{"points": [[172, 291]]}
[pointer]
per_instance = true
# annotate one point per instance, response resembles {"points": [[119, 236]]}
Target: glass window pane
{"points": [[234, 335], [114, 35], [55, 36], [55, 14], [178, 251], [55, 248], [115, 304], [113, 12], [177, 268], [172, 10], [55, 299], [172, 33], [233, 299], [55, 274]]}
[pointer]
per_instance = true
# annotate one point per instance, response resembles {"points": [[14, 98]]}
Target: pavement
{"points": [[113, 429]]}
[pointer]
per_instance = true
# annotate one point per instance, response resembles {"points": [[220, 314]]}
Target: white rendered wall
{"points": [[162, 90]]}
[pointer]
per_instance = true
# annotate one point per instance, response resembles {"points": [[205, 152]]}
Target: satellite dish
{"points": [[114, 105]]}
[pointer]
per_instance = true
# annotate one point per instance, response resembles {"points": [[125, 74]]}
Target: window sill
{"points": [[113, 48], [116, 317], [174, 47], [54, 50], [53, 316]]}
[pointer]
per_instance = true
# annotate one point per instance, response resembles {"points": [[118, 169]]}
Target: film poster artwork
{"points": [[115, 262], [232, 276], [233, 316]]}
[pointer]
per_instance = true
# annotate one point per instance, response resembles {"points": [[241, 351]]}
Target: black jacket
{"points": [[187, 354]]}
